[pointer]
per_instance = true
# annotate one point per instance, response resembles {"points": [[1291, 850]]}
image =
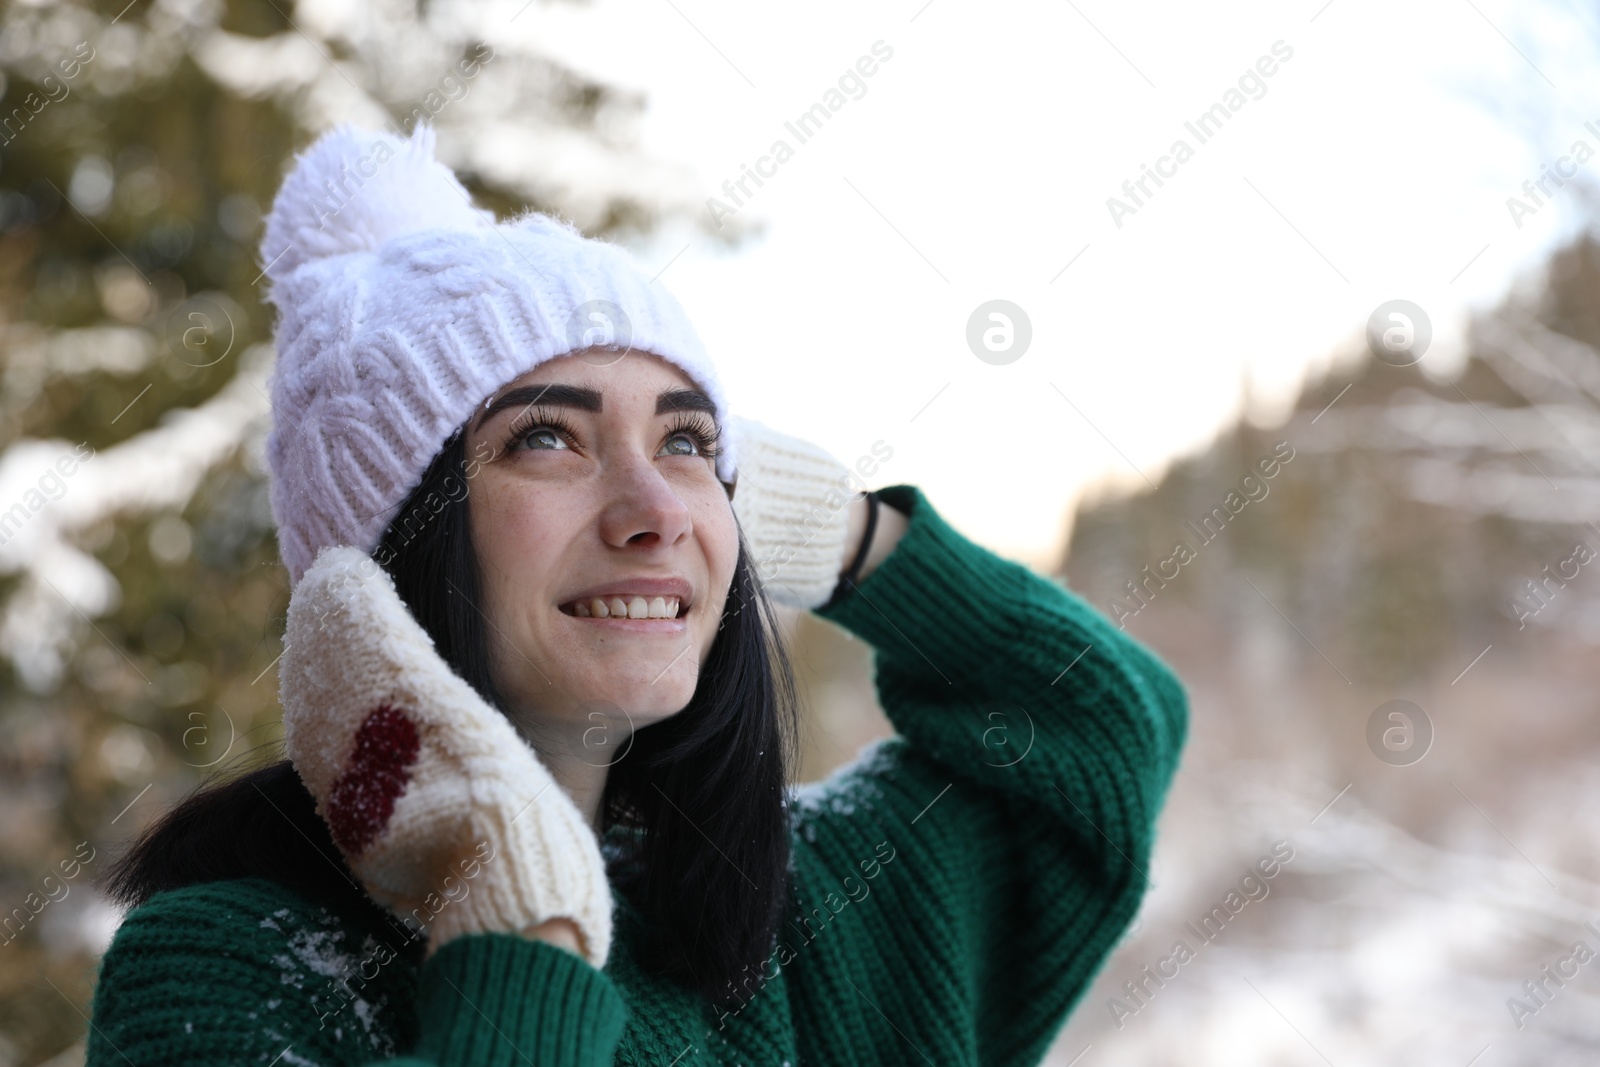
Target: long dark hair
{"points": [[698, 798]]}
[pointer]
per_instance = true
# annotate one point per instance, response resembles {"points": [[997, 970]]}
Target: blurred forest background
{"points": [[141, 599], [141, 602]]}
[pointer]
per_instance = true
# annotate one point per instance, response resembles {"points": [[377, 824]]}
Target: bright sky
{"points": [[977, 165]]}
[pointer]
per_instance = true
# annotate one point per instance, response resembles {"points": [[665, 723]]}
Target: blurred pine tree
{"points": [[141, 601]]}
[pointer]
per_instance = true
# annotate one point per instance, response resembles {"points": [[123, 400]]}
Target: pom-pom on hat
{"points": [[401, 308]]}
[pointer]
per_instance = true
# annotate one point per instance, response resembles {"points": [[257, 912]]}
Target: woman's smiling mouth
{"points": [[623, 607], [635, 601]]}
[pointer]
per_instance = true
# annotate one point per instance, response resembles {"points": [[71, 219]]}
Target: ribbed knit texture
{"points": [[793, 503], [959, 884]]}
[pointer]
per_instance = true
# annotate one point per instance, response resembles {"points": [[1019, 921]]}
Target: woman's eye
{"points": [[694, 447], [540, 438]]}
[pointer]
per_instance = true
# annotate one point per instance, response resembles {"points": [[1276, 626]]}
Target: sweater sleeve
{"points": [[245, 971], [991, 853]]}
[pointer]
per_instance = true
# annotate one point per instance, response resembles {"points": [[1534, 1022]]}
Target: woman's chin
{"points": [[659, 679], [637, 703]]}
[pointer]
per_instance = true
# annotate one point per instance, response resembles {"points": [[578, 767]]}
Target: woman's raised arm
{"points": [[1018, 801]]}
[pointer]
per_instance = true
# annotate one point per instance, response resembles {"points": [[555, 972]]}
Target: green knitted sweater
{"points": [[960, 883]]}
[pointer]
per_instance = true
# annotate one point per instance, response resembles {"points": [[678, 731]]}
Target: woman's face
{"points": [[599, 487]]}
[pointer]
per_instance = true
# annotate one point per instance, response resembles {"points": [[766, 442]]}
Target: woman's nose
{"points": [[643, 507]]}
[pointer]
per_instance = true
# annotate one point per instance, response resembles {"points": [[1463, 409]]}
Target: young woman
{"points": [[540, 723]]}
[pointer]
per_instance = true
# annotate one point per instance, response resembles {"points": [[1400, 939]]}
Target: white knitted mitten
{"points": [[439, 806], [792, 500]]}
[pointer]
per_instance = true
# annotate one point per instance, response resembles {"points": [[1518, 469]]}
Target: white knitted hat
{"points": [[402, 307]]}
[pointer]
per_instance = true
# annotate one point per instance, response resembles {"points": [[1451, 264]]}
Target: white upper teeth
{"points": [[634, 607]]}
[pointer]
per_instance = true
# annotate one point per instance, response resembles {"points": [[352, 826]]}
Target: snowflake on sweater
{"points": [[851, 787], [337, 977]]}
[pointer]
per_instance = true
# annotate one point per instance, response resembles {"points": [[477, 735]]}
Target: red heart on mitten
{"points": [[374, 777], [443, 811]]}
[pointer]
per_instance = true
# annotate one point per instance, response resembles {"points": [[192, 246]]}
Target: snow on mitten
{"points": [[792, 500], [437, 803]]}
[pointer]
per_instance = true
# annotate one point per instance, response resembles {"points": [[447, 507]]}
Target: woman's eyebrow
{"points": [[685, 400], [586, 399], [554, 394]]}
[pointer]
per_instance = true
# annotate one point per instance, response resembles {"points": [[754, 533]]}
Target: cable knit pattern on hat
{"points": [[402, 307], [418, 778]]}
